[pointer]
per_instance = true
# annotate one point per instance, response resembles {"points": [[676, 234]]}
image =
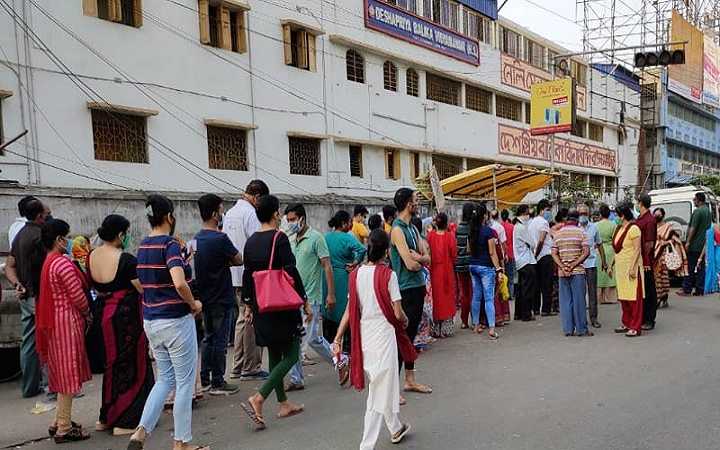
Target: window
{"points": [[595, 132], [390, 76], [119, 137], [441, 12], [478, 99], [596, 182], [222, 25], [447, 166], [413, 83], [415, 165], [610, 183], [409, 5], [227, 148], [527, 113], [442, 89], [355, 66], [392, 164], [356, 165], [299, 47], [126, 12], [304, 156], [477, 26], [579, 72], [579, 128], [688, 115], [454, 19], [508, 108], [509, 42], [535, 54]]}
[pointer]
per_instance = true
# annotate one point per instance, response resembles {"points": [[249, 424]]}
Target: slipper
{"points": [[427, 390], [494, 336], [400, 435], [293, 412], [52, 429], [258, 421]]}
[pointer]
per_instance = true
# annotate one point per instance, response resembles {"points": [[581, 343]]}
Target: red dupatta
{"points": [[618, 244], [405, 347]]}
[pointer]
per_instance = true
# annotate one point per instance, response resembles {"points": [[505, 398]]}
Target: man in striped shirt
{"points": [[570, 249]]}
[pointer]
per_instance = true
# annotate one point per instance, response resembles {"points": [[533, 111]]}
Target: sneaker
{"points": [[260, 375], [225, 389], [400, 435]]}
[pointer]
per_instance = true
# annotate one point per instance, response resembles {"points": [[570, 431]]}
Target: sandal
{"points": [[464, 326], [623, 329], [293, 412], [400, 435], [419, 388], [52, 429], [632, 333], [75, 434], [258, 421], [493, 336]]}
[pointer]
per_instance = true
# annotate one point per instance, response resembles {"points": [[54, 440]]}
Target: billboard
{"points": [[711, 81], [407, 26], [687, 79], [552, 106]]}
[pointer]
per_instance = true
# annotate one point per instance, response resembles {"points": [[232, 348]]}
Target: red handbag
{"points": [[274, 289]]}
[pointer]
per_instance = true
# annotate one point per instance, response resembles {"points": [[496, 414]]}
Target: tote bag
{"points": [[274, 289], [673, 261]]}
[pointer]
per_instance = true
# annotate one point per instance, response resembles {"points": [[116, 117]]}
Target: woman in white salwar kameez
{"points": [[377, 328]]}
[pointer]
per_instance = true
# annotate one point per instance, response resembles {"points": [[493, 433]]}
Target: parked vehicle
{"points": [[678, 205]]}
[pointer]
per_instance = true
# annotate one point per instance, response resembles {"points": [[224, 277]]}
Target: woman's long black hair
{"points": [[379, 242], [477, 220]]}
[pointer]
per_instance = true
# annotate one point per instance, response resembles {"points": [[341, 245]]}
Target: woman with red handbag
{"points": [[274, 292]]}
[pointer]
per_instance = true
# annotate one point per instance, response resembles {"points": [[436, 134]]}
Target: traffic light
{"points": [[661, 58]]}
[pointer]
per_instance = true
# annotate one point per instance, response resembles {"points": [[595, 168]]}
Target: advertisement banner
{"points": [[687, 79], [404, 25], [551, 107], [711, 82]]}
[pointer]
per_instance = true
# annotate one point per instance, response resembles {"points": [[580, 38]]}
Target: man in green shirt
{"points": [[312, 260], [700, 221]]}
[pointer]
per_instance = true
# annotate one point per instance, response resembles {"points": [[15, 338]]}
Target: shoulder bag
{"points": [[274, 289]]}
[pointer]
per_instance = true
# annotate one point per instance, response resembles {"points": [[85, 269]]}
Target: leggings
{"points": [[282, 357]]}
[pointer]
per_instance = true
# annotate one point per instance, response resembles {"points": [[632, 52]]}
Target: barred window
{"points": [[126, 12], [508, 108], [227, 148], [413, 83], [595, 132], [454, 19], [596, 182], [390, 76], [579, 128], [535, 54], [304, 156], [443, 90], [477, 26], [119, 137], [610, 184], [478, 99], [355, 65], [527, 113], [356, 165], [509, 42], [447, 166]]}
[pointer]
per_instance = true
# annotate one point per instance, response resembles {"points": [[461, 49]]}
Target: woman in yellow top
{"points": [[628, 271]]}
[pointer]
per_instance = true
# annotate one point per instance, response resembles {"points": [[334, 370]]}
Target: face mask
{"points": [[584, 220], [658, 219], [125, 243], [293, 228], [547, 215]]}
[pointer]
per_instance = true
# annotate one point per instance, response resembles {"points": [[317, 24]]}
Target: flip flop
{"points": [[418, 390], [293, 412], [258, 421]]}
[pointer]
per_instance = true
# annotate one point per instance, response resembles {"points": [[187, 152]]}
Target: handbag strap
{"points": [[272, 251]]}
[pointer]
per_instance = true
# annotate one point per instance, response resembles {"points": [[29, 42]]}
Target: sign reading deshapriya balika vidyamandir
{"points": [[552, 106], [404, 25]]}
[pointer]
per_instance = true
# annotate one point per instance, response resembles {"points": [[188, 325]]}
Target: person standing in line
{"points": [[377, 323], [19, 222], [570, 249], [462, 264], [239, 224], [312, 259], [375, 222], [590, 264], [700, 221], [359, 229], [627, 243], [502, 309], [510, 252], [711, 256], [22, 270], [279, 331], [214, 255], [444, 251], [648, 228], [524, 252], [607, 291], [668, 242], [485, 264], [539, 229], [389, 213], [407, 257], [424, 338]]}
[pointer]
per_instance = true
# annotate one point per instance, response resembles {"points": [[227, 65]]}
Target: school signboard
{"points": [[552, 106]]}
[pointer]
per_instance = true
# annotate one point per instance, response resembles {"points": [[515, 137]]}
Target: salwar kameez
{"points": [[606, 284], [443, 250], [630, 290]]}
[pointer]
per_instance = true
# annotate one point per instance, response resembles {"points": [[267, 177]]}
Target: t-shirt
{"points": [[509, 232], [29, 254], [360, 231], [537, 226], [156, 256], [648, 228], [213, 253], [308, 251], [569, 241], [480, 254], [239, 224], [523, 245], [593, 240], [387, 227], [700, 221]]}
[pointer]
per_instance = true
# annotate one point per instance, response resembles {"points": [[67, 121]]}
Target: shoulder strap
{"points": [[272, 251]]}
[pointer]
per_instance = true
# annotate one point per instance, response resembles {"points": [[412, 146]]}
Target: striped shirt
{"points": [[156, 256], [569, 241]]}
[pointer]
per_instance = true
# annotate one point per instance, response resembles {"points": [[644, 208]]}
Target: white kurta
{"points": [[379, 347]]}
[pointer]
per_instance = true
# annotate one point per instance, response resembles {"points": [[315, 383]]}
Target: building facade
{"points": [[352, 98]]}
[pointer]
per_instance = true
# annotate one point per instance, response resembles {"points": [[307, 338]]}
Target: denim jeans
{"points": [[174, 344], [572, 304], [216, 322], [483, 280], [510, 272], [317, 342], [29, 360]]}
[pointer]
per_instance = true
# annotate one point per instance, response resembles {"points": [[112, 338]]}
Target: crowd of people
{"points": [[367, 297]]}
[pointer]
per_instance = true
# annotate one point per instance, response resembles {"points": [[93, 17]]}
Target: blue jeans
{"points": [[29, 361], [216, 322], [510, 272], [317, 342], [174, 344], [483, 280], [572, 304]]}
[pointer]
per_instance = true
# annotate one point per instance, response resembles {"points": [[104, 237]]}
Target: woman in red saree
{"points": [[62, 313], [442, 275], [128, 377]]}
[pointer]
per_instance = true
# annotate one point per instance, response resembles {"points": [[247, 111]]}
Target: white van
{"points": [[678, 205]]}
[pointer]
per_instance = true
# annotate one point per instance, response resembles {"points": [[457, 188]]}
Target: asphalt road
{"points": [[533, 389]]}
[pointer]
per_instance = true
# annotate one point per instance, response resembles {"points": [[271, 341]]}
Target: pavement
{"points": [[533, 389]]}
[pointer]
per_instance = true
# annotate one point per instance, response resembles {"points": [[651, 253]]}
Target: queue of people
{"points": [[367, 297]]}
